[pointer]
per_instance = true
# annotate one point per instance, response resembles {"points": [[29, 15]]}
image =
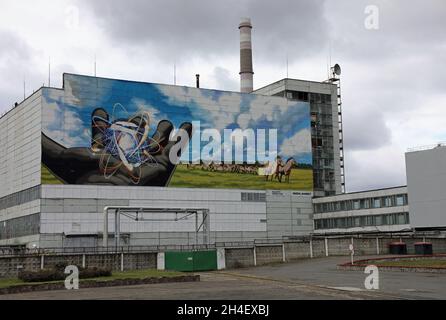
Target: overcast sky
{"points": [[393, 77]]}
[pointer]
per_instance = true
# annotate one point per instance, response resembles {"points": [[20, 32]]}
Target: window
{"points": [[400, 200], [19, 227], [376, 203], [302, 96], [349, 222], [392, 219], [370, 221], [325, 224], [366, 203], [401, 218], [337, 206], [356, 205], [253, 197], [348, 205], [20, 197], [363, 221], [387, 201], [378, 220], [325, 207]]}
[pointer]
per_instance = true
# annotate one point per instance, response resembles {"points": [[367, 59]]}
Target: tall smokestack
{"points": [[246, 72]]}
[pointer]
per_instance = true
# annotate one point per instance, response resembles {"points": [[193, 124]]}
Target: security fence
{"points": [[235, 254]]}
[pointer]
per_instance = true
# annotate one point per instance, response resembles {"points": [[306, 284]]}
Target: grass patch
{"points": [[5, 283], [420, 263], [137, 274], [48, 177], [301, 179]]}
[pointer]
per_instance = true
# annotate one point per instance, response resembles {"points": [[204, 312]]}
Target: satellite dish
{"points": [[337, 69]]}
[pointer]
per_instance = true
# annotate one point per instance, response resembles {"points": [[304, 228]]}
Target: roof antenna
{"points": [[330, 51], [175, 73], [24, 87], [328, 66], [95, 64], [287, 65], [49, 71]]}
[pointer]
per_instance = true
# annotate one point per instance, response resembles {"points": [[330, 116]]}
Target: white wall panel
{"points": [[20, 147]]}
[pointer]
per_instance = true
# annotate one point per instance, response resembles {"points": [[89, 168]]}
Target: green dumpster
{"points": [[191, 260]]}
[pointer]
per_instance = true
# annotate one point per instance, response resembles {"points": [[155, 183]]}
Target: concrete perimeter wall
{"points": [[235, 256], [322, 247], [10, 266]]}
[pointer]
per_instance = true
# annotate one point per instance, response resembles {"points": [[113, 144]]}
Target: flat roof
{"points": [[285, 79], [358, 192], [20, 103], [162, 84], [427, 148]]}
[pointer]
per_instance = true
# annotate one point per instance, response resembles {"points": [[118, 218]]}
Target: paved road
{"points": [[305, 279], [323, 272]]}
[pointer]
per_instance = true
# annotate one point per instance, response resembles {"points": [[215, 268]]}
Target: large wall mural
{"points": [[112, 132]]}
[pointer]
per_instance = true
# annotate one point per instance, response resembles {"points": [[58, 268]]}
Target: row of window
{"points": [[322, 135], [20, 197], [362, 221], [360, 204], [253, 197], [20, 227]]}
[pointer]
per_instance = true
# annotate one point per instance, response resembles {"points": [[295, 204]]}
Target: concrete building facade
{"points": [[36, 214], [426, 178], [325, 129], [383, 210]]}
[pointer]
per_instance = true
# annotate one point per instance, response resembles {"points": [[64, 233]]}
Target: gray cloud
{"points": [[225, 79], [366, 129], [18, 67], [389, 75], [373, 169], [15, 59], [183, 29]]}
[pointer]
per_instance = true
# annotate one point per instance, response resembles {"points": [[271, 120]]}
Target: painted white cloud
{"points": [[221, 112], [62, 137], [51, 114], [155, 114], [71, 121], [54, 118], [297, 144]]}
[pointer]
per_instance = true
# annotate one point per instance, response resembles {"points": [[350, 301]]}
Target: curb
{"points": [[396, 268], [97, 284], [359, 265]]}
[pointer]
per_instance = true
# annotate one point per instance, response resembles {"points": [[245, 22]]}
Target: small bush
{"points": [[58, 274], [60, 266], [94, 273], [42, 275]]}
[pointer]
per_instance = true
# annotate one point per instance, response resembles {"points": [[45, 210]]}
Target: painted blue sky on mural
{"points": [[67, 113]]}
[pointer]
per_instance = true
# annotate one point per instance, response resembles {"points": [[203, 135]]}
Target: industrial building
{"points": [[69, 154], [417, 207], [426, 179], [326, 128], [46, 202], [372, 211]]}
